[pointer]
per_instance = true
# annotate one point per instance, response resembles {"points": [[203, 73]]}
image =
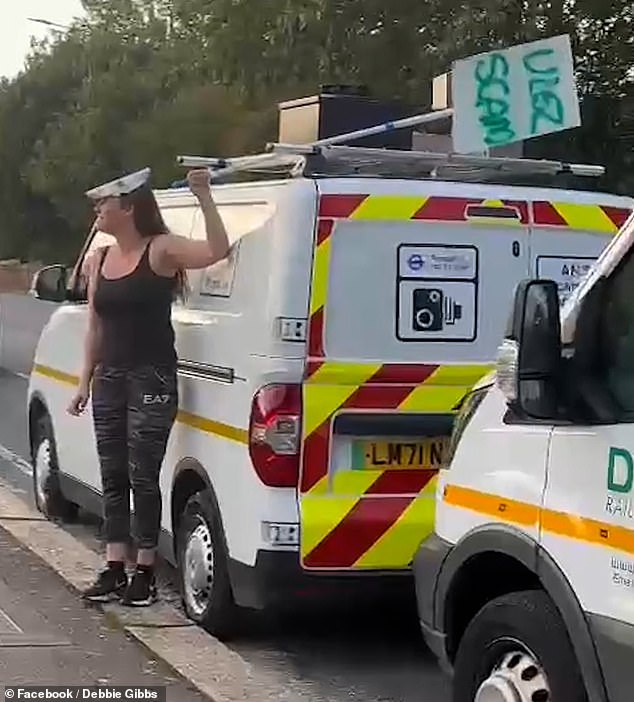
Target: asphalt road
{"points": [[360, 654], [21, 320], [48, 638]]}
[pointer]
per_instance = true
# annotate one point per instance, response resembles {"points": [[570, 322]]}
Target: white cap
{"points": [[121, 186]]}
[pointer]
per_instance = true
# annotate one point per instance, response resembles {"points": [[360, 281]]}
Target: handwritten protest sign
{"points": [[505, 96]]}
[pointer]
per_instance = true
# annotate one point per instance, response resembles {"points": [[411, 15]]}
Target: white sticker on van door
{"points": [[567, 272], [446, 262], [437, 293], [217, 279]]}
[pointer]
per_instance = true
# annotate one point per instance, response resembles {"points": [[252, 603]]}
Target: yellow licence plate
{"points": [[427, 454]]}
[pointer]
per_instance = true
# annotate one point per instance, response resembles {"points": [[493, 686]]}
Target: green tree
{"points": [[141, 81]]}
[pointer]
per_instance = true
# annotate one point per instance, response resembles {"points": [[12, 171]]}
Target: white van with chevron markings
{"points": [[321, 363]]}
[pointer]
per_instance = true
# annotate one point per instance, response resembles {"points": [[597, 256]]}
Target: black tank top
{"points": [[135, 314]]}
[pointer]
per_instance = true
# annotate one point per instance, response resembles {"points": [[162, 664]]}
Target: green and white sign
{"points": [[618, 502], [620, 470], [506, 96]]}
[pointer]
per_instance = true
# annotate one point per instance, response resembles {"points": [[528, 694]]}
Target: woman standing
{"points": [[130, 364]]}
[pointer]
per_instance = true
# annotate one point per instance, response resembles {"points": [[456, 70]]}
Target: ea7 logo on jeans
{"points": [[156, 399]]}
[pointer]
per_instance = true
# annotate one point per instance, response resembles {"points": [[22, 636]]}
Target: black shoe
{"points": [[141, 592], [109, 585]]}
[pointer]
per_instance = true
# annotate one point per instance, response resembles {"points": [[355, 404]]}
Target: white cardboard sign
{"points": [[505, 96]]}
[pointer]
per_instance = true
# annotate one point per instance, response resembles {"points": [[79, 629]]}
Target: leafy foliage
{"points": [[143, 80]]}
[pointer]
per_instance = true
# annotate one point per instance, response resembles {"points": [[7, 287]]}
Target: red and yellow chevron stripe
{"points": [[596, 218], [375, 520], [369, 519], [418, 207], [571, 215], [332, 387]]}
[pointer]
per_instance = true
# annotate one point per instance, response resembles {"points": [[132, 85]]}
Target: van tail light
{"points": [[275, 434]]}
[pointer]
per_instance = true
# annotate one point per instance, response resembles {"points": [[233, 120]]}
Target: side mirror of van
{"points": [[49, 283], [529, 360]]}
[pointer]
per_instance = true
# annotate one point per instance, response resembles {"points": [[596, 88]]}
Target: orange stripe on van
{"points": [[492, 505], [565, 524]]}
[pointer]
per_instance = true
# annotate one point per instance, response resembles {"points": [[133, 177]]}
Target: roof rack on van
{"points": [[287, 161], [328, 157]]}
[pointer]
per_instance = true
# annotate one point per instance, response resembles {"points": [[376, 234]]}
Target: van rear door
{"points": [[409, 299]]}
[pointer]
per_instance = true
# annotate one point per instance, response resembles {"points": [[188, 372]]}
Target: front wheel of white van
{"points": [[49, 498], [517, 648], [203, 569]]}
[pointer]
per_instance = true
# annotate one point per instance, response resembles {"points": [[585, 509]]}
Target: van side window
{"points": [[99, 239], [217, 280], [240, 219], [617, 337], [78, 281]]}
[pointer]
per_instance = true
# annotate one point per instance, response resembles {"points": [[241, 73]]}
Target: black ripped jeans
{"points": [[133, 411]]}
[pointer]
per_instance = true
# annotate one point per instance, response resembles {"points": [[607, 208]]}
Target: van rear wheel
{"points": [[203, 569], [49, 499], [517, 648]]}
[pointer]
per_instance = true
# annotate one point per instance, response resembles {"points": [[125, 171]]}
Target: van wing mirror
{"points": [[49, 283], [529, 360]]}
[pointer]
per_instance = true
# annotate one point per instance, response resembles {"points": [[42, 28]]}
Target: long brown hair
{"points": [[149, 222]]}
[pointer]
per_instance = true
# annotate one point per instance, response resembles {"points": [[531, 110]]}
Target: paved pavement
{"points": [[359, 654], [47, 637]]}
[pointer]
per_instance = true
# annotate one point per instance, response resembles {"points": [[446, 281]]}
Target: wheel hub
{"points": [[198, 568], [42, 470], [518, 677]]}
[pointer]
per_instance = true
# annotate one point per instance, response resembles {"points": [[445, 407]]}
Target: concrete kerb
{"points": [[204, 662]]}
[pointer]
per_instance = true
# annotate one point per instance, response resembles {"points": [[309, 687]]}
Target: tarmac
{"points": [[49, 637]]}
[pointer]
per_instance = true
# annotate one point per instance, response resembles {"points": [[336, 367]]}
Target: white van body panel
{"points": [[561, 491], [487, 461], [603, 578], [60, 348], [229, 339]]}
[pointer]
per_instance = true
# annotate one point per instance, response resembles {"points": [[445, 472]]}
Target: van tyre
{"points": [[49, 498], [517, 647], [203, 570]]}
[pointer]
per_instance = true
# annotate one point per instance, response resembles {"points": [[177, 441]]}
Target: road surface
{"points": [[21, 320], [49, 638], [364, 655]]}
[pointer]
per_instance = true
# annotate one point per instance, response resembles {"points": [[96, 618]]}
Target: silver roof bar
{"points": [[289, 155], [444, 159], [238, 163]]}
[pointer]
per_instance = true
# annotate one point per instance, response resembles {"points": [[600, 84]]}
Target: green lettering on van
{"points": [[620, 473]]}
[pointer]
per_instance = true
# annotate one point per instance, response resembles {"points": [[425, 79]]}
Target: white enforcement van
{"points": [[321, 363], [526, 588]]}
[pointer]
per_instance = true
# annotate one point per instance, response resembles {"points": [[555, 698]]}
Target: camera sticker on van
{"points": [[437, 291], [566, 271]]}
